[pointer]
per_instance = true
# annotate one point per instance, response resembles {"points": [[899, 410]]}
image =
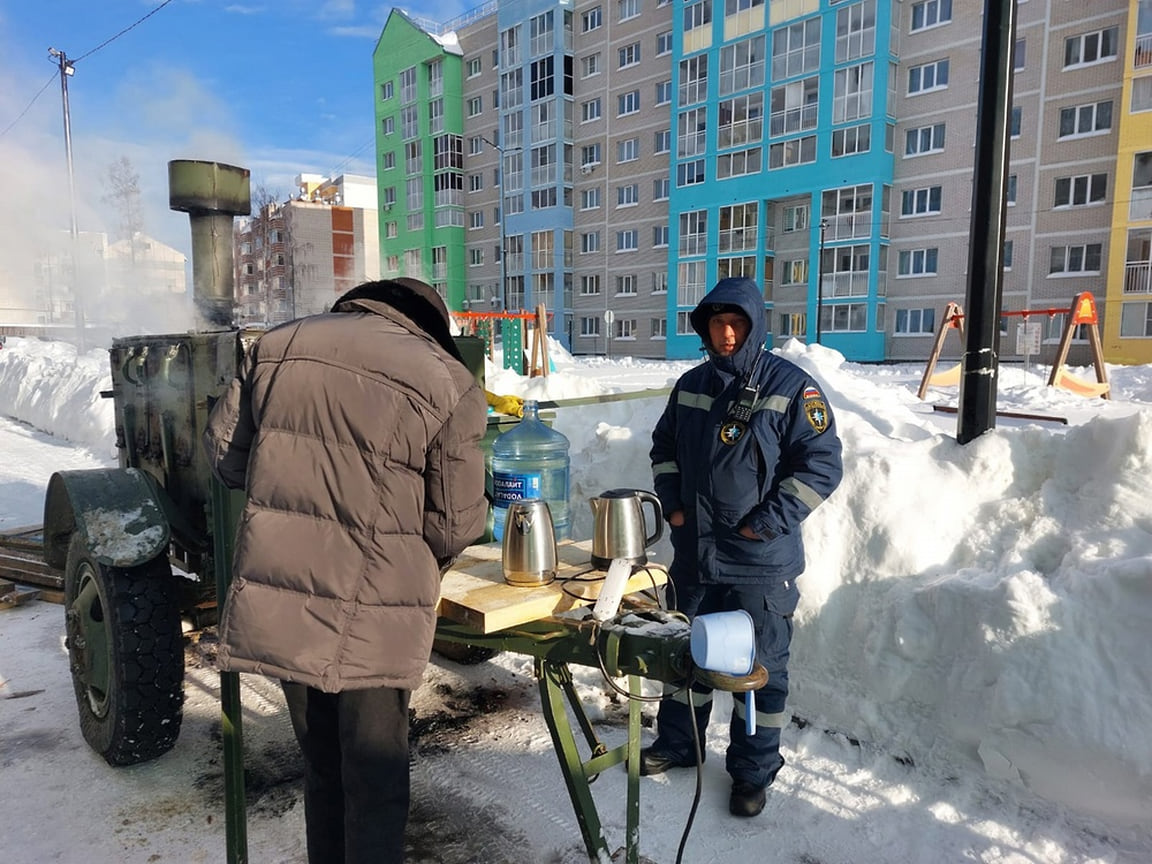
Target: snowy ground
{"points": [[970, 665]]}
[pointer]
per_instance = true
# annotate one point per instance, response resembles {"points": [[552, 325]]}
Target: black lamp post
{"points": [[820, 280]]}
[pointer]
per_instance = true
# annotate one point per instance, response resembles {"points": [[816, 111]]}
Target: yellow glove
{"points": [[513, 406]]}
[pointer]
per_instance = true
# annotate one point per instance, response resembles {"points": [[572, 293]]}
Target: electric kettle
{"points": [[618, 526], [529, 545]]}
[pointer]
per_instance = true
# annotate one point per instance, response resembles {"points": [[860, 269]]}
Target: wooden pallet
{"points": [[22, 559]]}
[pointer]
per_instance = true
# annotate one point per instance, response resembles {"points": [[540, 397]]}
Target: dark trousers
{"points": [[356, 784], [755, 758]]}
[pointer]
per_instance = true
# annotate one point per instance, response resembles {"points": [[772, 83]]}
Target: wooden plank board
{"points": [[473, 591]]}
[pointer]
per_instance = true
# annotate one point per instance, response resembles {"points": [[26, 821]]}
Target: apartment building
{"points": [[621, 156], [294, 258]]}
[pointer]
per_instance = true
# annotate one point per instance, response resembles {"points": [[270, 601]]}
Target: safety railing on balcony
{"points": [[1138, 277], [1143, 54]]}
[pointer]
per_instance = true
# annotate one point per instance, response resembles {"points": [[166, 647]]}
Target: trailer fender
{"points": [[118, 509]]}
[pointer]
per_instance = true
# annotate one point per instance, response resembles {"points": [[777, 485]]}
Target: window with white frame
{"points": [[930, 13], [475, 106], [1141, 94], [476, 219], [628, 150], [590, 154], [1081, 190], [852, 93], [1019, 54], [738, 227], [1074, 260], [628, 103], [915, 322], [794, 106], [626, 284], [691, 285], [589, 242], [796, 49], [731, 268], [591, 20], [475, 145], [590, 285], [741, 120], [697, 15], [590, 65], [590, 198], [856, 31], [1135, 320], [795, 217], [388, 125], [795, 151], [512, 89], [848, 211], [692, 132], [590, 325], [475, 182], [925, 201], [662, 141], [1016, 121], [629, 55], [660, 188], [693, 233], [590, 110], [388, 160], [475, 257], [844, 318], [659, 327], [436, 116], [690, 173], [794, 271], [628, 9], [742, 65], [917, 262], [625, 328], [663, 92], [852, 140], [793, 324], [1087, 49], [475, 67], [663, 43], [1094, 118], [386, 91], [928, 77], [628, 195], [627, 240], [923, 140], [540, 29], [408, 85], [409, 122], [1010, 191], [694, 79], [659, 236], [542, 82], [739, 163]]}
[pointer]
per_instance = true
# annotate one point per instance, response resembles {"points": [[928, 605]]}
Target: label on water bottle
{"points": [[514, 487]]}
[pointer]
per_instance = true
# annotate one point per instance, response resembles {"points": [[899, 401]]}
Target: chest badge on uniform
{"points": [[817, 414], [732, 431]]}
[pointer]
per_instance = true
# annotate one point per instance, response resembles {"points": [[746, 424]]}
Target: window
{"points": [[475, 257], [590, 110], [1091, 48], [852, 95], [629, 55], [795, 218], [475, 106], [1091, 119], [628, 196], [926, 139], [797, 151], [628, 9], [659, 328], [385, 91], [915, 322], [1141, 94], [475, 182], [693, 79], [921, 202], [660, 188], [854, 139], [663, 92], [742, 65], [590, 154], [928, 77], [543, 83], [848, 211], [1081, 190], [691, 283], [741, 120], [626, 284], [697, 15], [591, 20], [628, 150], [856, 31], [1010, 191], [662, 141], [660, 282], [590, 198], [388, 161], [1019, 54], [917, 262], [590, 285], [475, 67], [663, 43], [628, 103], [1074, 260], [626, 328], [930, 13], [590, 242], [794, 272], [660, 237], [540, 34], [796, 49], [1008, 246], [690, 173], [475, 145], [1016, 121], [476, 219], [794, 106], [388, 125], [844, 318], [693, 235], [590, 326], [408, 85], [738, 227], [591, 65], [1135, 320], [627, 241]]}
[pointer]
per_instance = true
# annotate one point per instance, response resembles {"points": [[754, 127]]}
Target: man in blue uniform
{"points": [[744, 451]]}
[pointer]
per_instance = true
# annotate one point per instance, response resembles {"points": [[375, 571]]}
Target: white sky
{"points": [[971, 652]]}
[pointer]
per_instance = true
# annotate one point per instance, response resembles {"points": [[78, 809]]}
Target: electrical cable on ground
{"points": [[699, 771]]}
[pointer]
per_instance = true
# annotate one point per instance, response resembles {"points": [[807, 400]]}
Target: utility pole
{"points": [[66, 71], [820, 279]]}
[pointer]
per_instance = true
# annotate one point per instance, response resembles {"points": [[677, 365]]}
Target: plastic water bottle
{"points": [[530, 460]]}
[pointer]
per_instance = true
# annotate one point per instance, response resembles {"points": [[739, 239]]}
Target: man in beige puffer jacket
{"points": [[356, 434]]}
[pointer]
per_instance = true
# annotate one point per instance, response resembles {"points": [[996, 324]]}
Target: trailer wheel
{"points": [[126, 654]]}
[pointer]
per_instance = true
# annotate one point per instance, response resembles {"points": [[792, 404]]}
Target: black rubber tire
{"points": [[126, 653]]}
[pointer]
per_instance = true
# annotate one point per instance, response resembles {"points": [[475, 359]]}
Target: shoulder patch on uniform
{"points": [[811, 393], [817, 413]]}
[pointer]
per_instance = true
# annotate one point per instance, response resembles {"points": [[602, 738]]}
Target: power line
{"points": [[122, 32], [51, 78]]}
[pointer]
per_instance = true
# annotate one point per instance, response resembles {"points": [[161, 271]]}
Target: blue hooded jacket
{"points": [[767, 473]]}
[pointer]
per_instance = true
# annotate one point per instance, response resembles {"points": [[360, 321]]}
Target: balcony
{"points": [[1138, 277], [1142, 57]]}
